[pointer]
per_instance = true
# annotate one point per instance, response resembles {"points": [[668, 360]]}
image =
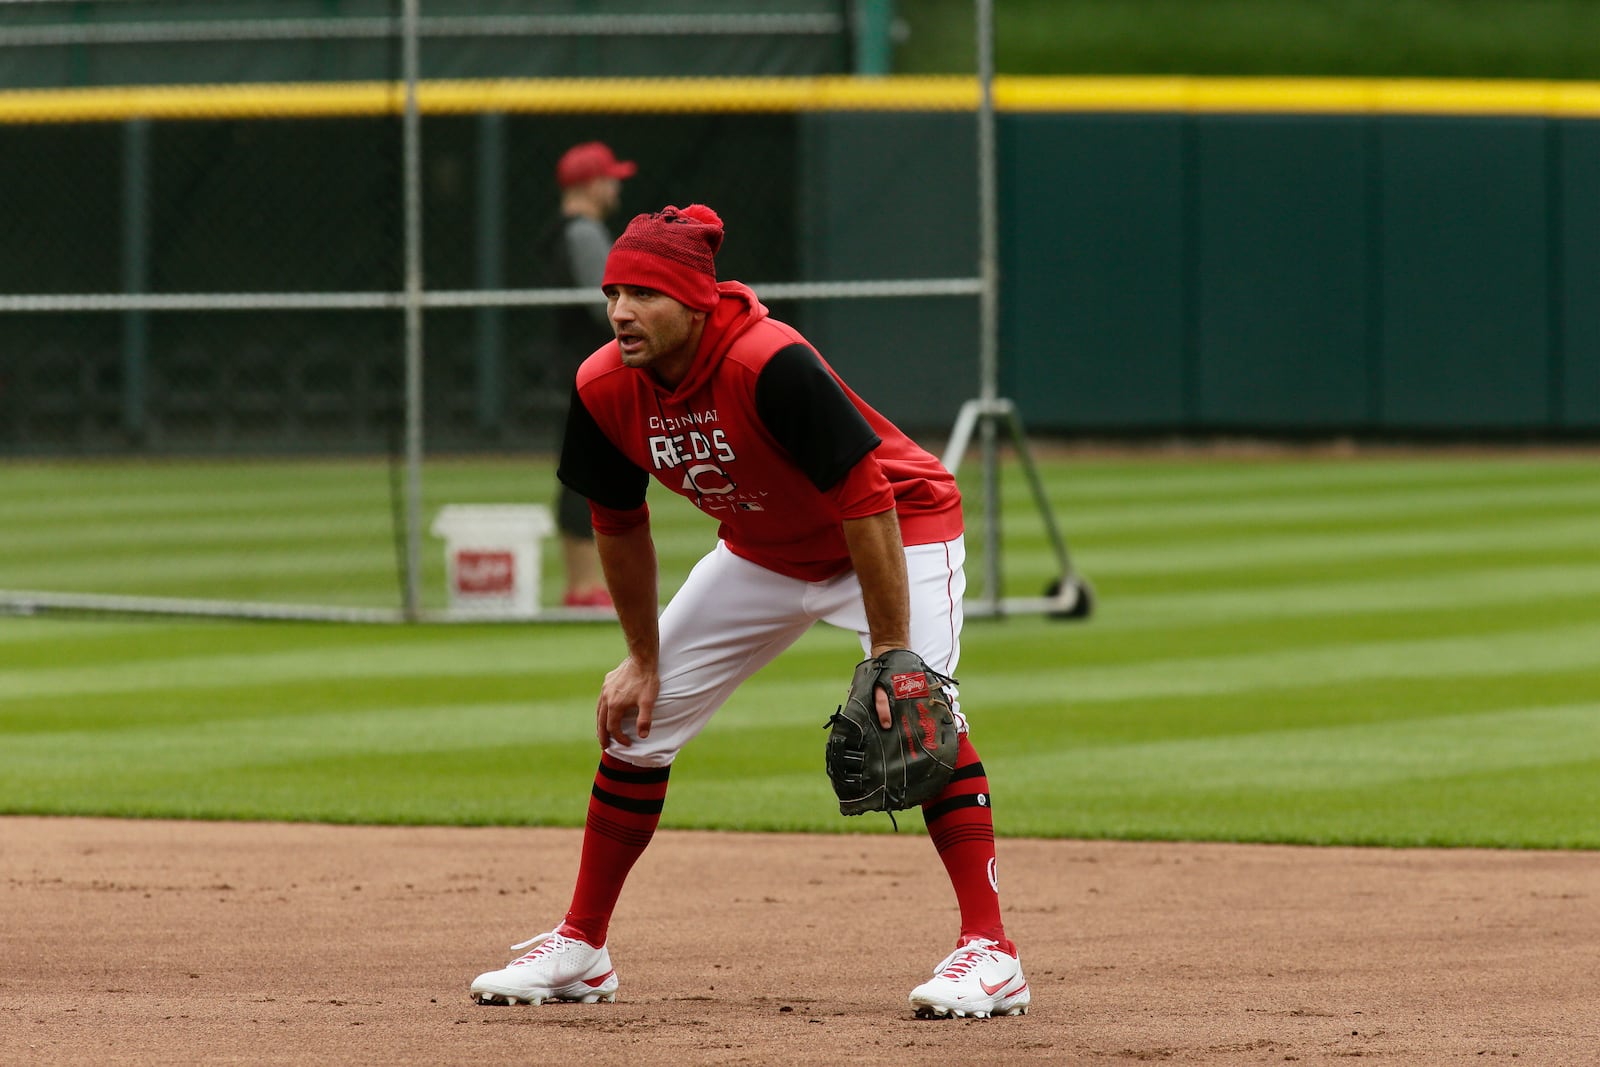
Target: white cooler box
{"points": [[491, 556]]}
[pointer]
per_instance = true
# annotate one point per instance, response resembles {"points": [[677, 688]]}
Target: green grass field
{"points": [[1350, 38], [1396, 650]]}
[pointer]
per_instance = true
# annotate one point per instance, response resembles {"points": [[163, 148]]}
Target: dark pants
{"points": [[572, 514]]}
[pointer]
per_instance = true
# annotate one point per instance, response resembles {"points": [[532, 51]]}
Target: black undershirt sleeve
{"points": [[804, 408], [594, 467]]}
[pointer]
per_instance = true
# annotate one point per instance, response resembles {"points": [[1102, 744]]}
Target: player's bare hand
{"points": [[629, 691], [881, 699]]}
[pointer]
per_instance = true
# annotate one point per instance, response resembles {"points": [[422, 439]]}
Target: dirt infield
{"points": [[176, 943]]}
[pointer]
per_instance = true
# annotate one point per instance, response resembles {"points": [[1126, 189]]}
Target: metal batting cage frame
{"points": [[408, 96]]}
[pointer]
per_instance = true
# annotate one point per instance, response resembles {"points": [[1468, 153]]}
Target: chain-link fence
{"points": [[209, 243]]}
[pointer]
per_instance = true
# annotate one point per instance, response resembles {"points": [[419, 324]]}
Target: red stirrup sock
{"points": [[962, 828], [624, 809]]}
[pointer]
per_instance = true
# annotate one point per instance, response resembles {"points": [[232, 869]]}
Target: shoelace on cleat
{"points": [[551, 944], [966, 958]]}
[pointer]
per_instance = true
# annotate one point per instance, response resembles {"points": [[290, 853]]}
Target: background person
{"points": [[828, 511], [590, 177]]}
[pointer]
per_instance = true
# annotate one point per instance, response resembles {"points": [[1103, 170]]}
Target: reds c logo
{"points": [[707, 479]]}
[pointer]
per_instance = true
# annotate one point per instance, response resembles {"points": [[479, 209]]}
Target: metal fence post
{"points": [[412, 171]]}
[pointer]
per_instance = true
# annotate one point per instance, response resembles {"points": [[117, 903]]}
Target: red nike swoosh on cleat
{"points": [[991, 990], [596, 983]]}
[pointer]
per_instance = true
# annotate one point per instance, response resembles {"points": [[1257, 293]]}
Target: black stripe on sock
{"points": [[634, 804], [971, 770], [934, 812], [636, 776]]}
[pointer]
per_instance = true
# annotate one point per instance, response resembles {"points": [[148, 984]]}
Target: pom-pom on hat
{"points": [[672, 251]]}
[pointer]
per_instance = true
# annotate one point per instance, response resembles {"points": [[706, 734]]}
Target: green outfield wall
{"points": [[1176, 255], [1386, 273]]}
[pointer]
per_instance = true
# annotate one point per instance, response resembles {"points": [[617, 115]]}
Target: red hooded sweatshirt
{"points": [[761, 435]]}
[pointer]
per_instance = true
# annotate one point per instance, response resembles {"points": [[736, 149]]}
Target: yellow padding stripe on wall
{"points": [[552, 95], [1300, 95], [722, 95]]}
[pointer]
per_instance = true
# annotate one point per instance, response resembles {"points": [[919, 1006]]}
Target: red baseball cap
{"points": [[589, 160]]}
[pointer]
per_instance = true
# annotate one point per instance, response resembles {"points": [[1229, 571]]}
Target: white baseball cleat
{"points": [[979, 979], [559, 968]]}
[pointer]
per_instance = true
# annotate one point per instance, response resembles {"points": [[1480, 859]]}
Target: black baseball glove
{"points": [[873, 769]]}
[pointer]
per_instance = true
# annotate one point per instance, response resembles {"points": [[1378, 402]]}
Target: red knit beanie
{"points": [[672, 251]]}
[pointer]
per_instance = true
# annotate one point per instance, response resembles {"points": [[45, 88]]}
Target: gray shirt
{"points": [[588, 243]]}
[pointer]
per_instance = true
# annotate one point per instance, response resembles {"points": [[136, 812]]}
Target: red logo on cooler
{"points": [[485, 573], [909, 686]]}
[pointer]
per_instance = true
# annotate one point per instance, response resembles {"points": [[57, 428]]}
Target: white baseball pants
{"points": [[732, 617]]}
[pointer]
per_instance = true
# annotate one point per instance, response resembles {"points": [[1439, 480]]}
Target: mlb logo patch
{"points": [[909, 686]]}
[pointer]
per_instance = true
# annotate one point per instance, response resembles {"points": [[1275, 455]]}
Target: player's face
{"points": [[608, 194], [654, 331]]}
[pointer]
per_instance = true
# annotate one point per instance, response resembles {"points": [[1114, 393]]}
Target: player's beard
{"points": [[665, 345]]}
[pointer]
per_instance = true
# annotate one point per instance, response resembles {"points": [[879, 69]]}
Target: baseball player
{"points": [[827, 511], [572, 254]]}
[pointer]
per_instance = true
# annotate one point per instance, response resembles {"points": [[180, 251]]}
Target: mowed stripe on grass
{"points": [[313, 532], [1375, 650]]}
